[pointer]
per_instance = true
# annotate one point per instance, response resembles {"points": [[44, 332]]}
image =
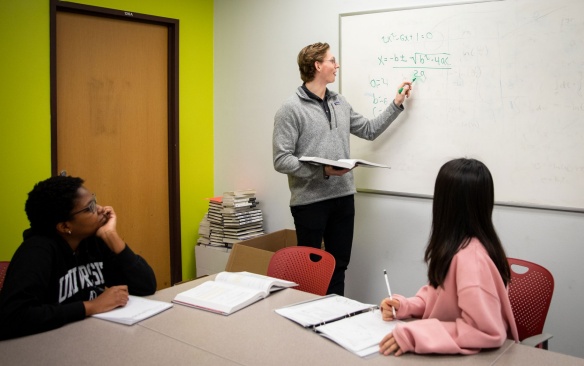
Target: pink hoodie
{"points": [[471, 311]]}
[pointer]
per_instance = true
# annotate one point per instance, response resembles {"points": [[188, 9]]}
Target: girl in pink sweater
{"points": [[465, 306]]}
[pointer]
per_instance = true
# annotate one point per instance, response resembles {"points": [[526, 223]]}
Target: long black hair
{"points": [[463, 205]]}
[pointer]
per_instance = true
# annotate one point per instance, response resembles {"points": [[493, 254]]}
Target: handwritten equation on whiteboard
{"points": [[494, 73], [417, 62], [419, 56]]}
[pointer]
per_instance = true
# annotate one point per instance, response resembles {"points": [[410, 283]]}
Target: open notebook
{"points": [[137, 309], [356, 326]]}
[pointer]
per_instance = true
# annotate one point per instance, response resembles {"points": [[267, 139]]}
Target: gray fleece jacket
{"points": [[301, 128]]}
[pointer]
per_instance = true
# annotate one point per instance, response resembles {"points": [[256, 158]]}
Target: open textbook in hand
{"points": [[137, 309], [342, 163], [231, 291], [356, 326]]}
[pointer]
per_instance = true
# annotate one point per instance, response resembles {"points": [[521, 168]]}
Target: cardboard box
{"points": [[210, 260], [254, 255]]}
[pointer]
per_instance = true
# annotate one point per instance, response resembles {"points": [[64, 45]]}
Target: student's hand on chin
{"points": [[108, 221]]}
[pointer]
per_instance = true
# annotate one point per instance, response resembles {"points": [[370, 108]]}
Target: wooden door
{"points": [[112, 124]]}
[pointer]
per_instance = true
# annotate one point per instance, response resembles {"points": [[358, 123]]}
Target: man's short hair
{"points": [[308, 56]]}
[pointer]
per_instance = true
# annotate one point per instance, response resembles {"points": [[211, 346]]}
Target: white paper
{"points": [[359, 334], [137, 309], [322, 310]]}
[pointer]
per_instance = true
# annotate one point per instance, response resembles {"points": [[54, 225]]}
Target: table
{"points": [[255, 335], [98, 342], [524, 355]]}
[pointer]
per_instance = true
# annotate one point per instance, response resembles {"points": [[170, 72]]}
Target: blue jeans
{"points": [[331, 220]]}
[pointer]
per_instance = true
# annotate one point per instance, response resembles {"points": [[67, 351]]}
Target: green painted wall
{"points": [[25, 109]]}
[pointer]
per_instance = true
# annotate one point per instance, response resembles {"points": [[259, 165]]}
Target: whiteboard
{"points": [[498, 81]]}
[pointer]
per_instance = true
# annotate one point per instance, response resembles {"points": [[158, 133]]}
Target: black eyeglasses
{"points": [[92, 207]]}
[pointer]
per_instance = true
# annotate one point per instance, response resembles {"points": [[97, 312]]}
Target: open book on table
{"points": [[231, 291], [342, 163], [356, 326], [137, 309]]}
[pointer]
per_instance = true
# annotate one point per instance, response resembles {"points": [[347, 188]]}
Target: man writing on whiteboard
{"points": [[316, 121]]}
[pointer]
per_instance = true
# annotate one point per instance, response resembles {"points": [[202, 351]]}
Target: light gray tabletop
{"points": [[255, 335], [99, 342], [524, 355]]}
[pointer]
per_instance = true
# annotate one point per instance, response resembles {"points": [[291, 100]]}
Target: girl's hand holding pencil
{"points": [[389, 305]]}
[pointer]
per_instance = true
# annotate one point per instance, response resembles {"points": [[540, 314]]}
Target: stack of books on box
{"points": [[204, 231], [216, 221], [231, 218], [242, 219]]}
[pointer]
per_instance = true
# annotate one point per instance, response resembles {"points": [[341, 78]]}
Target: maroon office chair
{"points": [[311, 268], [3, 268], [530, 292]]}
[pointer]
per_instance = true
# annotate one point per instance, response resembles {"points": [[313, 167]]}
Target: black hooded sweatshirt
{"points": [[47, 282]]}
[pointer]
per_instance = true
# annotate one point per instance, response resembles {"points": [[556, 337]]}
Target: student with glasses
{"points": [[72, 263], [316, 121]]}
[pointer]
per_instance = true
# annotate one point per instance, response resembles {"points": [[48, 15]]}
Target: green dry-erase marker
{"points": [[402, 89]]}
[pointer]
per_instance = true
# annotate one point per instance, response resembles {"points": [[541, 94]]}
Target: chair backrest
{"points": [[311, 268], [3, 268], [530, 292]]}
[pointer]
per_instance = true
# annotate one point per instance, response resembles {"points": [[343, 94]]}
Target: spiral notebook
{"points": [[355, 326]]}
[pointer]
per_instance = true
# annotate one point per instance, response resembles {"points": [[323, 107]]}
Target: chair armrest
{"points": [[533, 341]]}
